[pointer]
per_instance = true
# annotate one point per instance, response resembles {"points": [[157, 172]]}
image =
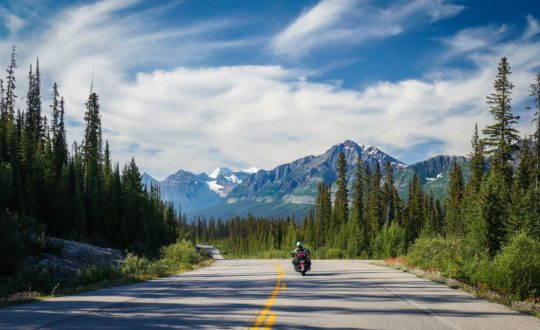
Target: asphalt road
{"points": [[269, 294]]}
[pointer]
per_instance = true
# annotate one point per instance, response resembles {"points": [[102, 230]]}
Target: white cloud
{"points": [[11, 21], [337, 22], [533, 28], [238, 116], [474, 39]]}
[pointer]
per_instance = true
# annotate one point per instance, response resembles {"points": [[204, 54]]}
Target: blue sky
{"points": [[201, 84]]}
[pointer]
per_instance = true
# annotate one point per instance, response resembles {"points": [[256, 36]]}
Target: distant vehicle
{"points": [[301, 260]]}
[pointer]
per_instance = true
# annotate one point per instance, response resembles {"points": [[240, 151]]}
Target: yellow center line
{"points": [[264, 314]]}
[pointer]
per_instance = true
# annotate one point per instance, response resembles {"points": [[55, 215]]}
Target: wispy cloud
{"points": [[11, 21], [472, 39], [350, 22], [533, 27]]}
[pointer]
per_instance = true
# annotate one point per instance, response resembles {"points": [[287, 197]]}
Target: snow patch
{"points": [[251, 170], [215, 187], [215, 173], [234, 179], [440, 175]]}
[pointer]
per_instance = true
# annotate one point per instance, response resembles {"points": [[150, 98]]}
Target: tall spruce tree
{"points": [[358, 230], [501, 136], [414, 217], [58, 129], [454, 207], [92, 149], [323, 215], [389, 195], [535, 93], [7, 118], [476, 162], [341, 202]]}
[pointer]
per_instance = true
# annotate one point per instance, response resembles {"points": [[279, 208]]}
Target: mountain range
{"points": [[291, 189]]}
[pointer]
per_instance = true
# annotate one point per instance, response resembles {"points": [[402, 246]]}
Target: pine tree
{"points": [[374, 206], [488, 230], [7, 118], [341, 203], [501, 136], [476, 163], [92, 149], [58, 131], [323, 214], [535, 93], [414, 218], [359, 229], [525, 175], [454, 207], [389, 195]]}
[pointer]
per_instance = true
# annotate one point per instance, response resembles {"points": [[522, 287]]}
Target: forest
{"points": [[73, 192]]}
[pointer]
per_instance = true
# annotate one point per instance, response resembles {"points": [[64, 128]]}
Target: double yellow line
{"points": [[265, 319]]}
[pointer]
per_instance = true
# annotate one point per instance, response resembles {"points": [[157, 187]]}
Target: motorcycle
{"points": [[303, 264]]}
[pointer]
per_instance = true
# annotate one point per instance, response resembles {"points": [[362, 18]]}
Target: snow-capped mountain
{"points": [[290, 189], [191, 192]]}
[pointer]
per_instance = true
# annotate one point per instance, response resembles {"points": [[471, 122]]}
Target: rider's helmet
{"points": [[299, 244]]}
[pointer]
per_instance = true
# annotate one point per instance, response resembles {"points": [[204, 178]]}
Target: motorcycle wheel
{"points": [[303, 273]]}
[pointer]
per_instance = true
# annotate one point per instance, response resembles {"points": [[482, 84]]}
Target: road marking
{"points": [[264, 314]]}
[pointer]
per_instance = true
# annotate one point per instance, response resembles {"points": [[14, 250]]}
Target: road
{"points": [[269, 294]]}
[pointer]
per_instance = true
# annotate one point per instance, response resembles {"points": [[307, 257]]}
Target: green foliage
{"points": [[97, 273], [35, 278], [516, 269], [182, 253], [452, 257], [328, 253], [389, 243], [454, 207]]}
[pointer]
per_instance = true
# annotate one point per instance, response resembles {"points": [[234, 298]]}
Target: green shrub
{"points": [[452, 257], [140, 268], [516, 268], [43, 244], [98, 273], [180, 254], [389, 243], [35, 278]]}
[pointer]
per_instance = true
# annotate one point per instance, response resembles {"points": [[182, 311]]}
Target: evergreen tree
{"points": [[374, 206], [390, 196], [92, 149], [323, 214], [359, 229], [535, 93], [476, 163], [501, 136], [58, 131], [414, 217], [454, 208], [341, 203], [7, 125]]}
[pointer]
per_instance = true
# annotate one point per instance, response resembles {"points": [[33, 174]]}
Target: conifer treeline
{"points": [[498, 200], [75, 193]]}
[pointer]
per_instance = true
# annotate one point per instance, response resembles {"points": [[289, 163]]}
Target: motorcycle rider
{"points": [[300, 248]]}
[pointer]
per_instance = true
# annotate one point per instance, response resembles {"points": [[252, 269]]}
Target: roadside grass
{"points": [[38, 283], [530, 306]]}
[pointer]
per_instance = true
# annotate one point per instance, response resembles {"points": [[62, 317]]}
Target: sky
{"points": [[199, 84]]}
